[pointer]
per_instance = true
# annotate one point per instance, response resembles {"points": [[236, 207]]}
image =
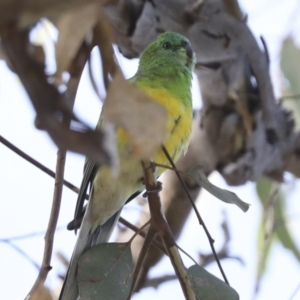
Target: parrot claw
{"points": [[157, 190]]}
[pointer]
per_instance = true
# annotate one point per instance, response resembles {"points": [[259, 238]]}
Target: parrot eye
{"points": [[167, 45]]}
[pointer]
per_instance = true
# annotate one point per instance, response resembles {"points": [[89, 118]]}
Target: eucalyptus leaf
{"points": [[264, 188], [208, 287], [105, 272], [290, 55], [197, 173], [273, 226], [265, 239], [282, 230]]}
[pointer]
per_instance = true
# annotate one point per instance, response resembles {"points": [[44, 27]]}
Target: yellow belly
{"points": [[178, 132], [109, 193]]}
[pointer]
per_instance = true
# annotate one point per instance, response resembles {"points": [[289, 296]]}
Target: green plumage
{"points": [[164, 74]]}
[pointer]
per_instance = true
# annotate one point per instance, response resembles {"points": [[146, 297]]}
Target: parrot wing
{"points": [[90, 170]]}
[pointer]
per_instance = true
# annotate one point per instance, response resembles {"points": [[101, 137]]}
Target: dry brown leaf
{"points": [[41, 293], [73, 27], [142, 118]]}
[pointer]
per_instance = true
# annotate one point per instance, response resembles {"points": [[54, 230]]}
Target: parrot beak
{"points": [[187, 46], [189, 51]]}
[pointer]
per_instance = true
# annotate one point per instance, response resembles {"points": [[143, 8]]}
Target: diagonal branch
{"points": [[158, 221], [138, 265], [210, 239], [21, 252], [33, 161], [68, 184]]}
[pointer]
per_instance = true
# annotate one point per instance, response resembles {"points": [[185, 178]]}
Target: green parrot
{"points": [[165, 76]]}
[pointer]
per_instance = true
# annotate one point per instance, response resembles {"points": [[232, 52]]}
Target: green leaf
{"points": [[282, 230], [198, 175], [208, 287], [273, 225], [265, 235], [290, 55], [105, 272], [263, 189]]}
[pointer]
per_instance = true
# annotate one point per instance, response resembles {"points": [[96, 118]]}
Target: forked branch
{"points": [[159, 222]]}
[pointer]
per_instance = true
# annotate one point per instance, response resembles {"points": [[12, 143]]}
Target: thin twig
{"points": [[146, 245], [68, 185], [295, 292], [155, 282], [49, 237], [76, 190], [158, 221], [184, 252], [27, 236], [140, 232], [143, 234], [210, 239], [35, 162], [23, 253], [76, 70]]}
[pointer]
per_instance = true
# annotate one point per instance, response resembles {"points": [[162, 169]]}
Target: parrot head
{"points": [[169, 50]]}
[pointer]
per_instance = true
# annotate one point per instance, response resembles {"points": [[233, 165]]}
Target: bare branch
{"points": [[27, 236], [148, 240], [174, 199], [68, 185], [201, 222], [35, 163], [20, 251], [49, 104], [295, 292], [59, 178], [49, 237], [160, 224]]}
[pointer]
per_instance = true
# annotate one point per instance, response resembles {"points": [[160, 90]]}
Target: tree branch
{"points": [[35, 163], [49, 237], [49, 103], [78, 65], [160, 224], [21, 252]]}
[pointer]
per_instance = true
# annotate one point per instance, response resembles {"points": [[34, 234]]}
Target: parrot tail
{"points": [[85, 241]]}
